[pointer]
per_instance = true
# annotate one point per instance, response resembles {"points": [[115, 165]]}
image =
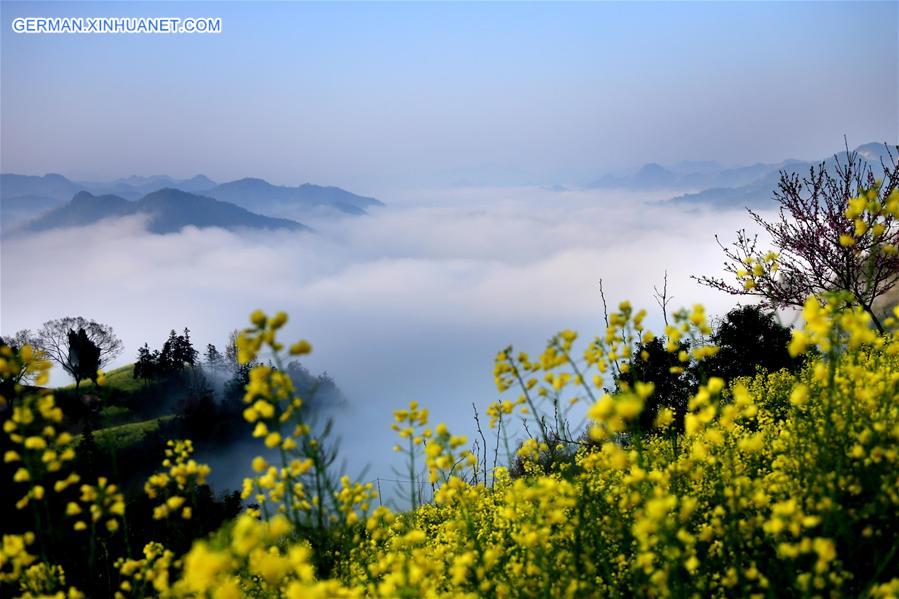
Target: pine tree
{"points": [[178, 352], [186, 353], [168, 361], [231, 362], [214, 359], [145, 367]]}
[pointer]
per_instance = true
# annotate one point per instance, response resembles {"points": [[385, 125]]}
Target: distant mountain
{"points": [[686, 167], [689, 176], [134, 186], [171, 210], [167, 211], [84, 209], [261, 196], [877, 152], [706, 182], [754, 195], [649, 176], [758, 193], [17, 210], [49, 186], [25, 197], [655, 175]]}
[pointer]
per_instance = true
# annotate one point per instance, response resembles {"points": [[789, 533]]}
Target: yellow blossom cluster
{"points": [[570, 378], [148, 576], [872, 220], [752, 268], [43, 447], [253, 560], [102, 501], [14, 556], [43, 580], [27, 362], [179, 480], [779, 484], [297, 488]]}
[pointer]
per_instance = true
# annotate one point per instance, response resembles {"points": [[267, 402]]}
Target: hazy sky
{"points": [[379, 96]]}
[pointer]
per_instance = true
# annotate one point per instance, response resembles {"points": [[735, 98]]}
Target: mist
{"points": [[409, 303]]}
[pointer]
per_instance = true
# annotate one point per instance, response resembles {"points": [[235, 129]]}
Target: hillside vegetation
{"points": [[779, 484]]}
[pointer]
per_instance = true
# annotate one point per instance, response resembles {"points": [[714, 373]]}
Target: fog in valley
{"points": [[409, 303]]}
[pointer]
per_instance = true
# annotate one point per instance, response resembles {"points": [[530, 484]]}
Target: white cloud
{"points": [[411, 302]]}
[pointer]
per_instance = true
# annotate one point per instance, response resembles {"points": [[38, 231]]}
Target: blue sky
{"points": [[374, 96]]}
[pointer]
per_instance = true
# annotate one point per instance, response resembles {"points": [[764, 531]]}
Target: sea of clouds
{"points": [[410, 302]]}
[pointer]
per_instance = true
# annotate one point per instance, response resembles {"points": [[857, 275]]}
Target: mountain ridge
{"points": [[25, 197], [167, 210], [758, 193], [254, 193], [695, 177]]}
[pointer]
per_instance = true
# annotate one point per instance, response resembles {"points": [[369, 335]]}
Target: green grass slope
{"points": [[116, 438], [119, 379]]}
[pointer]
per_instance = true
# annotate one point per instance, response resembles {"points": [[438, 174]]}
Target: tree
{"points": [[177, 352], [16, 343], [56, 339], [84, 357], [837, 229], [186, 353], [146, 366], [674, 381], [21, 339], [231, 361], [235, 387], [214, 359], [749, 338]]}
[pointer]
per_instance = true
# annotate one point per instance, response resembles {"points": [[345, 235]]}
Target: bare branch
{"points": [[809, 234], [662, 298]]}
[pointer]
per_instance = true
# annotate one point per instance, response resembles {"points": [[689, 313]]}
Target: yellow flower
{"points": [[258, 318], [36, 443], [301, 348], [799, 395], [856, 207], [664, 417], [629, 406]]}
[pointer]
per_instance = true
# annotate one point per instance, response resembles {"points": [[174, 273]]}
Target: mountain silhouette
{"points": [[134, 186], [261, 196], [25, 197], [167, 211], [49, 186], [759, 192]]}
